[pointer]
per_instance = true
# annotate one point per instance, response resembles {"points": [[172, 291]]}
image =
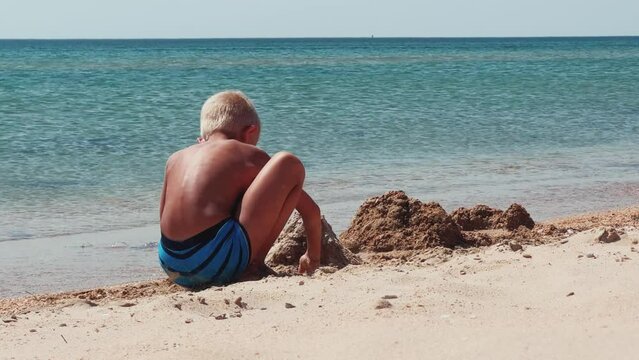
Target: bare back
{"points": [[204, 185]]}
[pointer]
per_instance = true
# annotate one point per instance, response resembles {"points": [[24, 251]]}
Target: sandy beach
{"points": [[472, 164], [567, 296]]}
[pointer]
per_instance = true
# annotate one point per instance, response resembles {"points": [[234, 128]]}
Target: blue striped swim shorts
{"points": [[216, 256]]}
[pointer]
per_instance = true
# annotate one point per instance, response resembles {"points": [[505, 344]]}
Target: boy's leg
{"points": [[269, 201]]}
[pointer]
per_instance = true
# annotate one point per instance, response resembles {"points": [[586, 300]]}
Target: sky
{"points": [[75, 19]]}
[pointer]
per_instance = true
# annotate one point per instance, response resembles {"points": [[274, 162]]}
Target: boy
{"points": [[225, 201]]}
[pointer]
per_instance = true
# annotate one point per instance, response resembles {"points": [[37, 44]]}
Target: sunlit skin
{"points": [[227, 175]]}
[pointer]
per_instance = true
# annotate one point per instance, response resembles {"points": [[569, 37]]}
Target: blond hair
{"points": [[229, 112]]}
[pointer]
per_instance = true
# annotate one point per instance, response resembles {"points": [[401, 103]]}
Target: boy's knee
{"points": [[291, 162]]}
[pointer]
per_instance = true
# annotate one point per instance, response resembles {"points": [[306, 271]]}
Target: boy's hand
{"points": [[307, 265], [312, 218]]}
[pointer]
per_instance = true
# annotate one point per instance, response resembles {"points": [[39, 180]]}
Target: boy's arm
{"points": [[169, 163], [163, 196], [311, 217]]}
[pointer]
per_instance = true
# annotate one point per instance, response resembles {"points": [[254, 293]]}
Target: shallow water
{"points": [[553, 123], [74, 262]]}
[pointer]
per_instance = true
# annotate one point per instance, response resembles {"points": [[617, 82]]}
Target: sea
{"points": [[87, 125]]}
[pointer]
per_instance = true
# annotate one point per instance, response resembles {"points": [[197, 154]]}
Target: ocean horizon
{"points": [[328, 38]]}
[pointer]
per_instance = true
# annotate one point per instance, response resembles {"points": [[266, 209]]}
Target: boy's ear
{"points": [[251, 129], [251, 134]]}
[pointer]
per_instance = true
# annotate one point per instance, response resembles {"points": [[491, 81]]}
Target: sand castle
{"points": [[394, 222]]}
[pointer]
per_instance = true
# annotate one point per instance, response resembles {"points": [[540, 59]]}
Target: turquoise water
{"points": [[86, 126]]}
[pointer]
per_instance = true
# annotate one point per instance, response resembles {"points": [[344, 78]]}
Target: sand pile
{"points": [[484, 226], [482, 217], [394, 222], [291, 244], [479, 217]]}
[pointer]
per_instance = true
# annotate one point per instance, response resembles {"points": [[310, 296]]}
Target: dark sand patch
{"points": [[92, 297], [610, 219]]}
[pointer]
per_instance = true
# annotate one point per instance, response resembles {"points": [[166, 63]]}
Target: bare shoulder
{"points": [[175, 158], [247, 152]]}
